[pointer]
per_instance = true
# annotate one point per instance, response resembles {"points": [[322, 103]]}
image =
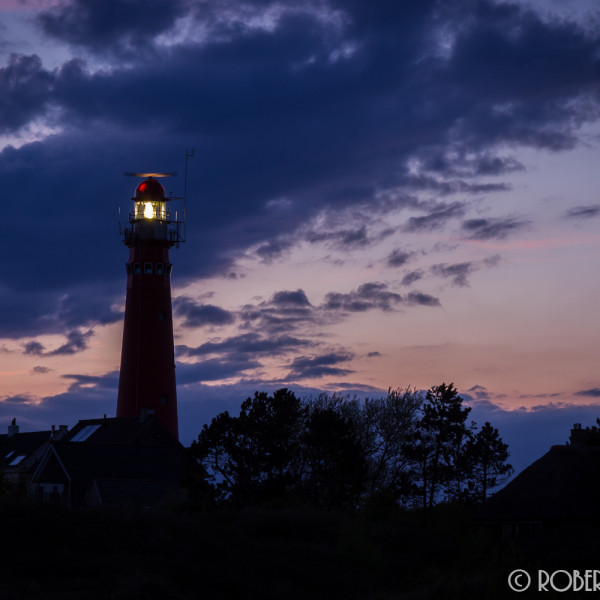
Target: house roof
{"points": [[20, 444], [564, 484], [123, 430], [85, 462]]}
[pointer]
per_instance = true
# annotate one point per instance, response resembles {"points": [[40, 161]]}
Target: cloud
{"points": [[248, 344], [412, 277], [436, 219], [124, 27], [343, 239], [40, 370], [319, 366], [459, 272], [26, 88], [285, 311], [486, 229], [76, 342], [583, 212], [200, 315], [422, 299], [398, 258], [367, 297], [214, 369], [592, 393]]}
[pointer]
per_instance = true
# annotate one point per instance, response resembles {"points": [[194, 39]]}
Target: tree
{"points": [[254, 457], [334, 461], [487, 455], [437, 446], [387, 425]]}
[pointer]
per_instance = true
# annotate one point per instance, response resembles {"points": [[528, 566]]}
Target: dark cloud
{"points": [[76, 342], [422, 299], [343, 239], [398, 258], [459, 272], [486, 229], [324, 111], [34, 348], [374, 295], [273, 249], [436, 218], [284, 311], [319, 366], [592, 393], [213, 369], [367, 297], [26, 89], [412, 277], [451, 186], [248, 344], [40, 370], [118, 26], [374, 354], [583, 212], [286, 298], [200, 315]]}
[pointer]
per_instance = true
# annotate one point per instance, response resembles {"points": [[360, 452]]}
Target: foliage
{"points": [[333, 452]]}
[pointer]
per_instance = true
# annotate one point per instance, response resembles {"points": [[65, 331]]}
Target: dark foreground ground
{"points": [[51, 553]]}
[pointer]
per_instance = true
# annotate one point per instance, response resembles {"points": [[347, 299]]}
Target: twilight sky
{"points": [[382, 194]]}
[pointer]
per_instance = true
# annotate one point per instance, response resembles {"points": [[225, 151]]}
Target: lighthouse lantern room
{"points": [[147, 375]]}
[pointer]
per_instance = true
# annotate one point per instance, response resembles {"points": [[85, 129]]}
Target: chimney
{"points": [[13, 428], [577, 435], [63, 428]]}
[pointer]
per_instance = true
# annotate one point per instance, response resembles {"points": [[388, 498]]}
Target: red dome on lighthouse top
{"points": [[149, 189]]}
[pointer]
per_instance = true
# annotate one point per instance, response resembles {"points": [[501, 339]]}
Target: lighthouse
{"points": [[147, 376]]}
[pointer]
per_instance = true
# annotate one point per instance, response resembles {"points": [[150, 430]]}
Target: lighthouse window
{"points": [[163, 399], [159, 268], [128, 267], [137, 268], [168, 269], [148, 268], [161, 315]]}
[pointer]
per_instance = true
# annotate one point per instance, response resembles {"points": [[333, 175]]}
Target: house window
{"points": [[16, 460], [85, 433]]}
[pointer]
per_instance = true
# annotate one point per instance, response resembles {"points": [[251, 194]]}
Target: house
{"points": [[123, 461], [560, 487], [21, 452]]}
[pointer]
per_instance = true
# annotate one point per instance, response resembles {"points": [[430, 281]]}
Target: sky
{"points": [[382, 194]]}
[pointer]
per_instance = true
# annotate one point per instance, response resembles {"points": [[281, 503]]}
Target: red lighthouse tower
{"points": [[147, 377]]}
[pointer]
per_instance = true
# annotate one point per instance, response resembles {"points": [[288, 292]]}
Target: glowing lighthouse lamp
{"points": [[147, 376]]}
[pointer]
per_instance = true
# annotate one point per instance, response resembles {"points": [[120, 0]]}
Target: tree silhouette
{"points": [[334, 459], [437, 446], [334, 452], [487, 455]]}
